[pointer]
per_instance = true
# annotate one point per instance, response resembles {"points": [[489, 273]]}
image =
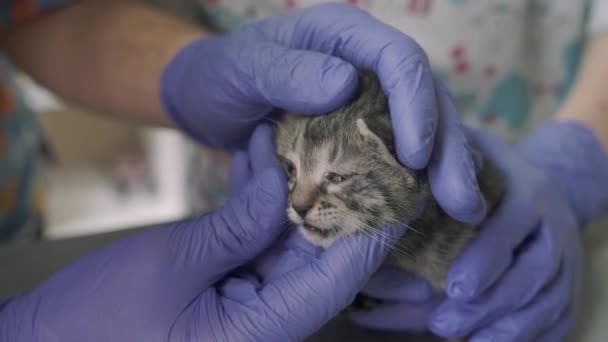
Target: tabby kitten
{"points": [[344, 178]]}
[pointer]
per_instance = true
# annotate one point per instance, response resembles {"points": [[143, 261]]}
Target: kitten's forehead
{"points": [[329, 155], [323, 144]]}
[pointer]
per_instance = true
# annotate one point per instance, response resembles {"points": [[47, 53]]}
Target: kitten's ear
{"points": [[378, 128]]}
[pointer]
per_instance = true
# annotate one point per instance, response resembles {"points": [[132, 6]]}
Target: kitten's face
{"points": [[342, 181]]}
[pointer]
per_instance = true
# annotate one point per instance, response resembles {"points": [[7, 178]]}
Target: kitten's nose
{"points": [[302, 208]]}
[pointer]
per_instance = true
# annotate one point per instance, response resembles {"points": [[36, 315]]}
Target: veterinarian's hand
{"points": [[185, 282], [219, 88], [519, 280]]}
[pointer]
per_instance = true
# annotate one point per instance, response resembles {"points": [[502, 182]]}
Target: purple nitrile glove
{"points": [[217, 89], [519, 279], [188, 282]]}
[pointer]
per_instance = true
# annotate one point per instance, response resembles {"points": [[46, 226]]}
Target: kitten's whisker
{"points": [[393, 247], [382, 237], [393, 240], [393, 243], [409, 228], [371, 228]]}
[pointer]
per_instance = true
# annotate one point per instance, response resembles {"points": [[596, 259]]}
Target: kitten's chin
{"points": [[318, 237]]}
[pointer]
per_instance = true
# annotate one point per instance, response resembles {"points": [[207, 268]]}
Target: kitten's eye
{"points": [[290, 169], [335, 178], [288, 166]]}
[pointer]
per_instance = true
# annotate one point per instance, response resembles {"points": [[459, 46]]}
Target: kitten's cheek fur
{"points": [[293, 216]]}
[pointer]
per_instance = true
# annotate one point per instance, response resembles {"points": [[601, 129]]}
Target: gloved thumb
{"points": [[236, 233]]}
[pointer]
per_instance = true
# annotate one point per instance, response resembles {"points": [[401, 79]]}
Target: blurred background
{"points": [[102, 175]]}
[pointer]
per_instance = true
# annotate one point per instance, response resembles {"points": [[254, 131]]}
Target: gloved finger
{"points": [[234, 234], [490, 253], [400, 63], [451, 172], [392, 284], [411, 317], [251, 77], [542, 313], [413, 109], [262, 152], [305, 82], [308, 297], [239, 173], [560, 329], [535, 266], [261, 149]]}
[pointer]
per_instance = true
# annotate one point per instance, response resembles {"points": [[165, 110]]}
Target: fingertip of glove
{"points": [[444, 321], [340, 78], [262, 131], [415, 146], [338, 82], [417, 159], [457, 290], [470, 207]]}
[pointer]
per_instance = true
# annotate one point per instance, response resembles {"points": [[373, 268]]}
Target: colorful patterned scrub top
{"points": [[20, 138], [508, 63]]}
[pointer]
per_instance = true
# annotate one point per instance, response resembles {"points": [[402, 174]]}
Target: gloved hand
{"points": [[519, 279], [217, 89], [184, 282]]}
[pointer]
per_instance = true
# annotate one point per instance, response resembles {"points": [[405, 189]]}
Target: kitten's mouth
{"points": [[316, 230], [319, 231]]}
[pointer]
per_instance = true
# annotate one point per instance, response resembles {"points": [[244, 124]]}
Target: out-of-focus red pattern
{"points": [[23, 10]]}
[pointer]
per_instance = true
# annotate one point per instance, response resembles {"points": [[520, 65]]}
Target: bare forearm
{"points": [[106, 55], [587, 103]]}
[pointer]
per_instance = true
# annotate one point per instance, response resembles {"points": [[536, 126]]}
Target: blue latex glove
{"points": [[217, 89], [187, 282], [519, 280]]}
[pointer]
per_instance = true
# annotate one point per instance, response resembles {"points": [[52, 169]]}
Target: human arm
{"points": [[587, 101], [105, 55]]}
